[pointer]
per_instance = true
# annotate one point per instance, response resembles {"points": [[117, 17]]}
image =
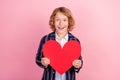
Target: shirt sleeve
{"points": [[78, 69], [39, 54], [80, 58]]}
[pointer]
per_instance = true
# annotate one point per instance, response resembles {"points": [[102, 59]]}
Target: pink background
{"points": [[24, 22]]}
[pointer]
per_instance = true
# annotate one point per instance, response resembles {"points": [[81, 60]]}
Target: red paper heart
{"points": [[61, 58]]}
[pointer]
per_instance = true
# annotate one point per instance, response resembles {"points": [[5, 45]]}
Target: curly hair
{"points": [[67, 13]]}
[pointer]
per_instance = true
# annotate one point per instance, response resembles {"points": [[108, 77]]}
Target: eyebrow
{"points": [[63, 17]]}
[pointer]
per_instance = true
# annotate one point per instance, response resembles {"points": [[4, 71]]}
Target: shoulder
{"points": [[72, 37], [48, 36]]}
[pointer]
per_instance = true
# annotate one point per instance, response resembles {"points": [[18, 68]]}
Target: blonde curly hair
{"points": [[67, 13]]}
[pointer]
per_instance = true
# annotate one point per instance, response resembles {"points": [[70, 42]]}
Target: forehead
{"points": [[60, 14]]}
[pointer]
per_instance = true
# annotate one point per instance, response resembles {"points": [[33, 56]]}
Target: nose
{"points": [[61, 22]]}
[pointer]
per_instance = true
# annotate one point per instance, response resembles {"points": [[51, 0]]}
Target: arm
{"points": [[81, 64], [39, 54], [81, 61]]}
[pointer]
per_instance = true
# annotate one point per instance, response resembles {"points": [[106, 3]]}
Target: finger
{"points": [[77, 66]]}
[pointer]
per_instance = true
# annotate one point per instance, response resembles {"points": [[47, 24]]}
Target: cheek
{"points": [[56, 23], [56, 26], [67, 24]]}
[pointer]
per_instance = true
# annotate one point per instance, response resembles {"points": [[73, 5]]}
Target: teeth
{"points": [[61, 27]]}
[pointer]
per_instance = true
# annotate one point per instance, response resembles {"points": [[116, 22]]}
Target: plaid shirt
{"points": [[49, 72]]}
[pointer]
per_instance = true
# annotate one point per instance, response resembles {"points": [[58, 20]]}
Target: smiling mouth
{"points": [[61, 28]]}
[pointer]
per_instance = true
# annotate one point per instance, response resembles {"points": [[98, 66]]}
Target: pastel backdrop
{"points": [[24, 22]]}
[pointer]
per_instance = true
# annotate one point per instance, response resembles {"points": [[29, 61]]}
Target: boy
{"points": [[61, 22]]}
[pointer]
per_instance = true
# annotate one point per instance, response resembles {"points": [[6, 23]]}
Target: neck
{"points": [[61, 35]]}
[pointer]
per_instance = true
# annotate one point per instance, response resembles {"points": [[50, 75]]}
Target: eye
{"points": [[64, 20], [57, 19]]}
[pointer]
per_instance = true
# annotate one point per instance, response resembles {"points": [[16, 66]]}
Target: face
{"points": [[61, 23]]}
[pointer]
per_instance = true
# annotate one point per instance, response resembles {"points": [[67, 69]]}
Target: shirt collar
{"points": [[65, 37]]}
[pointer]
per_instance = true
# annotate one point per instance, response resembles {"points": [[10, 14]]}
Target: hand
{"points": [[45, 61], [77, 63]]}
